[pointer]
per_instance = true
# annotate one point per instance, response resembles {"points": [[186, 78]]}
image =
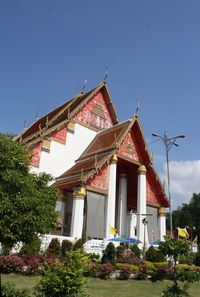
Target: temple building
{"points": [[102, 168]]}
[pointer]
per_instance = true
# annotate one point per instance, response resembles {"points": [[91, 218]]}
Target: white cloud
{"points": [[184, 180]]}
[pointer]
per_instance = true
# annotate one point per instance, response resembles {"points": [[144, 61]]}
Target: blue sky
{"points": [[151, 48]]}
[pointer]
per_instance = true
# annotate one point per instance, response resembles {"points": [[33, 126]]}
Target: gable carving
{"points": [[35, 154], [128, 148], [100, 180], [60, 135], [95, 113]]}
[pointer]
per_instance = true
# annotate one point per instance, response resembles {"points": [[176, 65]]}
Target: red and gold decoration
{"points": [[100, 180], [60, 135], [95, 113], [35, 153], [128, 148]]}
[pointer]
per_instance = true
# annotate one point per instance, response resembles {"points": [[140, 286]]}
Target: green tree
{"points": [[172, 247], [27, 203], [188, 215], [64, 279]]}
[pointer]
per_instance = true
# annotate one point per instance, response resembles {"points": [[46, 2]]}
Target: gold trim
{"points": [[162, 212], [97, 190], [142, 169], [114, 159], [79, 192], [71, 127]]}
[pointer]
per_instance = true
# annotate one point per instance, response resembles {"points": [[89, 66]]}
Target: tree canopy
{"points": [[188, 216], [27, 203]]}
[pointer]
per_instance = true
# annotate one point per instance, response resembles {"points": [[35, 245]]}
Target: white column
{"points": [[141, 203], [162, 223], [132, 224], [122, 226], [77, 212], [111, 198]]}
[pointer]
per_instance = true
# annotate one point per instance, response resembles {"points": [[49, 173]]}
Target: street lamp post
{"points": [[168, 143], [145, 222]]}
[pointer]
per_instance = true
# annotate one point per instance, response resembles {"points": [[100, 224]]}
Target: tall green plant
{"points": [[109, 254], [171, 248], [64, 279]]}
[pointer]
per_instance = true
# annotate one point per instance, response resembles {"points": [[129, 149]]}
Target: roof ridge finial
{"points": [[136, 114], [106, 75], [85, 84]]}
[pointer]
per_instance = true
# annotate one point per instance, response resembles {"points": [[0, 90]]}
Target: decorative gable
{"points": [[35, 153], [95, 113], [60, 135], [128, 148], [100, 180]]}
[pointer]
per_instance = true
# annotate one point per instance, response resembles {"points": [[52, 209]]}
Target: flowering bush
{"points": [[142, 272], [11, 263], [105, 270], [51, 260], [128, 257], [125, 271], [33, 264]]}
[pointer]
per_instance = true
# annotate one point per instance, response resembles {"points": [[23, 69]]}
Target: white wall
{"points": [[62, 156]]}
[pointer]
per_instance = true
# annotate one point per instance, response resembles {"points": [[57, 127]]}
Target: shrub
{"points": [[142, 272], [32, 248], [161, 264], [125, 271], [187, 259], [197, 259], [154, 255], [109, 254], [79, 243], [54, 247], [150, 266], [94, 257], [51, 260], [66, 246], [135, 249], [120, 251], [118, 266], [134, 268], [11, 263], [95, 269], [63, 279], [33, 264], [129, 258], [105, 270], [9, 290]]}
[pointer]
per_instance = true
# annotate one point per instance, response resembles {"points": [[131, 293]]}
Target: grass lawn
{"points": [[108, 288]]}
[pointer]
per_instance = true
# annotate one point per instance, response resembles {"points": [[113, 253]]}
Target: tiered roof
{"points": [[60, 116], [100, 151]]}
